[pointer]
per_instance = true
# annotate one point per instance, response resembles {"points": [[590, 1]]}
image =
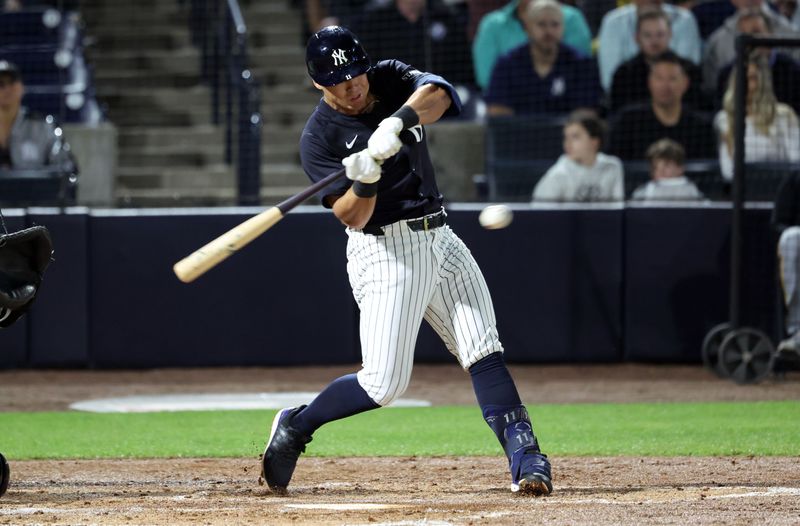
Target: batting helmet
{"points": [[334, 55]]}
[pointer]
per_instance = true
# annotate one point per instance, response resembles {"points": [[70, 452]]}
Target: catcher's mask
{"points": [[24, 256]]}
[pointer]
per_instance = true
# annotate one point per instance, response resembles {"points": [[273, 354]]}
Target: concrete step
{"points": [[201, 136], [161, 197], [145, 78], [214, 175], [183, 60], [133, 39], [171, 155]]}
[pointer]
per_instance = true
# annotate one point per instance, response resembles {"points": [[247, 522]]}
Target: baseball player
{"points": [[403, 261]]}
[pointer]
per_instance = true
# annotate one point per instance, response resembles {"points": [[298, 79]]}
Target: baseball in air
{"points": [[495, 217]]}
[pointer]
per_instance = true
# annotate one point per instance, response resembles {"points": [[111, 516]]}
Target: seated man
{"points": [[668, 180], [502, 30], [616, 37], [637, 127], [28, 141], [786, 220], [542, 75], [426, 36], [653, 34]]}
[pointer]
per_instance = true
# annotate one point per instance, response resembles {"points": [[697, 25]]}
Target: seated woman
{"points": [[583, 173], [771, 128]]}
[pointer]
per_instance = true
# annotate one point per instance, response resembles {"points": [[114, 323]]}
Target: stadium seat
{"points": [[519, 150], [762, 179], [47, 187], [36, 27]]}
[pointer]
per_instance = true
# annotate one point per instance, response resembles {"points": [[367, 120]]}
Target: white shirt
{"points": [[782, 143], [671, 189], [569, 181]]}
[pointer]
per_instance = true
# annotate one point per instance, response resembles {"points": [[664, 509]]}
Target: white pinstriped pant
{"points": [[402, 277], [789, 253]]}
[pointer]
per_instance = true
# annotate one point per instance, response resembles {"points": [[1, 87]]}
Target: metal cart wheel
{"points": [[746, 355], [711, 344]]}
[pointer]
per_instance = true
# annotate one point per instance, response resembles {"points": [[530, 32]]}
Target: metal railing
{"points": [[219, 31]]}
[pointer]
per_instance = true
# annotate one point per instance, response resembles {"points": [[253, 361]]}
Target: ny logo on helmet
{"points": [[338, 57]]}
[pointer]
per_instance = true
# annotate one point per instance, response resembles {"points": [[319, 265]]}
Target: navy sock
{"points": [[342, 398], [492, 383]]}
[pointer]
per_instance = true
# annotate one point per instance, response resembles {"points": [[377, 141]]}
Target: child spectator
{"points": [[583, 173], [771, 127], [668, 183]]}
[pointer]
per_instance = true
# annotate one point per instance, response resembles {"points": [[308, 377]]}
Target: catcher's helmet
{"points": [[334, 55]]}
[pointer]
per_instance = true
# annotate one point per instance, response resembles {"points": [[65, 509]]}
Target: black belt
{"points": [[422, 224]]}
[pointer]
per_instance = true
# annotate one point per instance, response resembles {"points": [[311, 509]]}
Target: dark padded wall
{"points": [[14, 340], [559, 280], [677, 279], [283, 300], [556, 283], [59, 325]]}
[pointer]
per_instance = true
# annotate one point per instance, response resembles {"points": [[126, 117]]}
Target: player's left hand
{"points": [[384, 141]]}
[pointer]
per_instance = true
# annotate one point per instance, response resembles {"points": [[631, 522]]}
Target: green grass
{"points": [[742, 428]]}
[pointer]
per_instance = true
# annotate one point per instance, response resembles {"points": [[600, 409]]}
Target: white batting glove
{"points": [[361, 167], [384, 141]]}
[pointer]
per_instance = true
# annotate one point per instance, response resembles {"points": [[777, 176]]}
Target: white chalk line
{"points": [[732, 492]]}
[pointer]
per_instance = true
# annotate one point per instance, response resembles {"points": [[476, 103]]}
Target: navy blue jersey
{"points": [[407, 188]]}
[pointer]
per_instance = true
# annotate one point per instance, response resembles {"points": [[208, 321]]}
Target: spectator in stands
{"points": [[653, 35], [10, 6], [786, 220], [583, 173], [321, 13], [771, 128], [617, 42], [427, 36], [26, 140], [720, 49], [669, 183], [542, 75], [788, 10], [636, 127], [502, 30], [784, 69]]}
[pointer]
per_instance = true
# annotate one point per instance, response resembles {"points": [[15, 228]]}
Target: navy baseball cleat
{"points": [[283, 448], [530, 473]]}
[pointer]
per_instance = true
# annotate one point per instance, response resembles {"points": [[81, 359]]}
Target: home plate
{"points": [[354, 506], [210, 402]]}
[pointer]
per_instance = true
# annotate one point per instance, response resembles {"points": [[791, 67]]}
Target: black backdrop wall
{"points": [[569, 285]]}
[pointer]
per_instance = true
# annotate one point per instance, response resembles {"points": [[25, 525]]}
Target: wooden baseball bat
{"points": [[203, 259]]}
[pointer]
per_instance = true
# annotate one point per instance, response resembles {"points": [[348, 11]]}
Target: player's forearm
{"points": [[430, 102], [354, 211]]}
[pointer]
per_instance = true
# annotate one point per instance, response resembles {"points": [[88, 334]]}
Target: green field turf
{"points": [[746, 428]]}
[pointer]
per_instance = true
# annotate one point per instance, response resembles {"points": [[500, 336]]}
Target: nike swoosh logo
{"points": [[351, 143]]}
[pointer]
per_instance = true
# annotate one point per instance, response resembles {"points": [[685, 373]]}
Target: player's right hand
{"points": [[361, 167]]}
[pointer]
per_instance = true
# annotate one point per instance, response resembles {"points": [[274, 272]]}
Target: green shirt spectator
{"points": [[501, 31]]}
